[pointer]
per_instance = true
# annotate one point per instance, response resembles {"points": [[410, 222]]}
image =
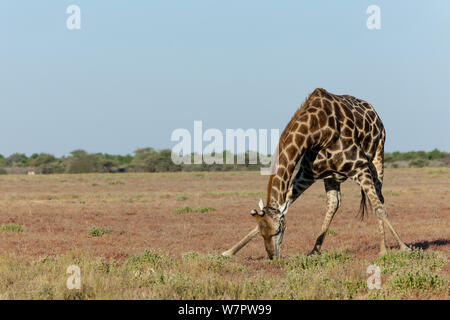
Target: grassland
{"points": [[157, 236]]}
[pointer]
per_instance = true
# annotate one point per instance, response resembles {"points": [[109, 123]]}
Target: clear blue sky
{"points": [[137, 70]]}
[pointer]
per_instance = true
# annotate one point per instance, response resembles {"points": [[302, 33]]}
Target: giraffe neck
{"points": [[307, 129], [289, 154]]}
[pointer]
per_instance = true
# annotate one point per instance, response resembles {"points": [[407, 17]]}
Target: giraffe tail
{"points": [[363, 206]]}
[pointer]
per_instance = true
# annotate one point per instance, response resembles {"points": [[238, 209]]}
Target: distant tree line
{"points": [[151, 160]]}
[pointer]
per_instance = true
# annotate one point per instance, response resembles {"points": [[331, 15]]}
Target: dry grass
{"points": [[155, 275], [148, 252]]}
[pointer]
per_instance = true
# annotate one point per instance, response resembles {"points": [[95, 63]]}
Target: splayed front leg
{"points": [[332, 188], [238, 246]]}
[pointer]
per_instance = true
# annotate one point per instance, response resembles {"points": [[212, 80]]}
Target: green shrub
{"points": [[182, 197], [189, 210], [204, 209], [12, 227], [303, 262], [99, 231], [149, 259], [116, 183], [183, 210], [419, 163], [392, 261], [416, 279]]}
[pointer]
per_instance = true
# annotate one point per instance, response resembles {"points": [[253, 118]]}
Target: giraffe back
{"points": [[353, 132]]}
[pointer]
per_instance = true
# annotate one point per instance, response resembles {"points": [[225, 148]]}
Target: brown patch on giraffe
{"points": [[350, 123], [317, 137], [359, 111], [332, 122], [317, 103], [375, 130], [346, 167], [346, 142], [291, 167], [360, 164], [303, 129], [276, 182], [283, 186], [348, 113], [371, 115], [283, 159], [320, 166], [314, 123], [351, 154], [365, 143], [289, 139], [335, 146], [338, 112], [327, 106], [361, 154], [358, 121], [285, 175], [299, 139], [291, 151], [347, 132], [304, 118], [322, 118], [326, 95], [327, 136], [310, 141]]}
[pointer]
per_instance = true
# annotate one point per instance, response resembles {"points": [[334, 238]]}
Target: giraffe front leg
{"points": [[333, 202]]}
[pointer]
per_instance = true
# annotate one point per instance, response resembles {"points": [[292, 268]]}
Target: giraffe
{"points": [[330, 137]]}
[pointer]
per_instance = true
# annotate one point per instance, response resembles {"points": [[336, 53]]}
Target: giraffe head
{"points": [[271, 222]]}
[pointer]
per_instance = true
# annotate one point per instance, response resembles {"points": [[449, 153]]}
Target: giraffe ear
{"points": [[261, 204], [284, 208]]}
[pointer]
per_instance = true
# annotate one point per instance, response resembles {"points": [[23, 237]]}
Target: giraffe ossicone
{"points": [[330, 137]]}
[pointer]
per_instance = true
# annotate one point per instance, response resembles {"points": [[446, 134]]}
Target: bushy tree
{"points": [[149, 160], [16, 159], [37, 160], [81, 162], [435, 154]]}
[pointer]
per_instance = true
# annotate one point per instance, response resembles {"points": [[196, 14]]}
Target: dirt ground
{"points": [[56, 212]]}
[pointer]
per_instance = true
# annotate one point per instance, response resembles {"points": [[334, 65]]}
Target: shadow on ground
{"points": [[426, 244]]}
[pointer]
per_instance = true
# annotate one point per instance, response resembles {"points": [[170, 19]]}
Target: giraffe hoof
{"points": [[227, 254], [405, 248], [313, 253]]}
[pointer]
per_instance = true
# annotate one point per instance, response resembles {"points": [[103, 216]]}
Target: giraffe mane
{"points": [[269, 189]]}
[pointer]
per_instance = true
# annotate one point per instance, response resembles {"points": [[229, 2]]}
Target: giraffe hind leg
{"points": [[378, 170], [364, 176]]}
